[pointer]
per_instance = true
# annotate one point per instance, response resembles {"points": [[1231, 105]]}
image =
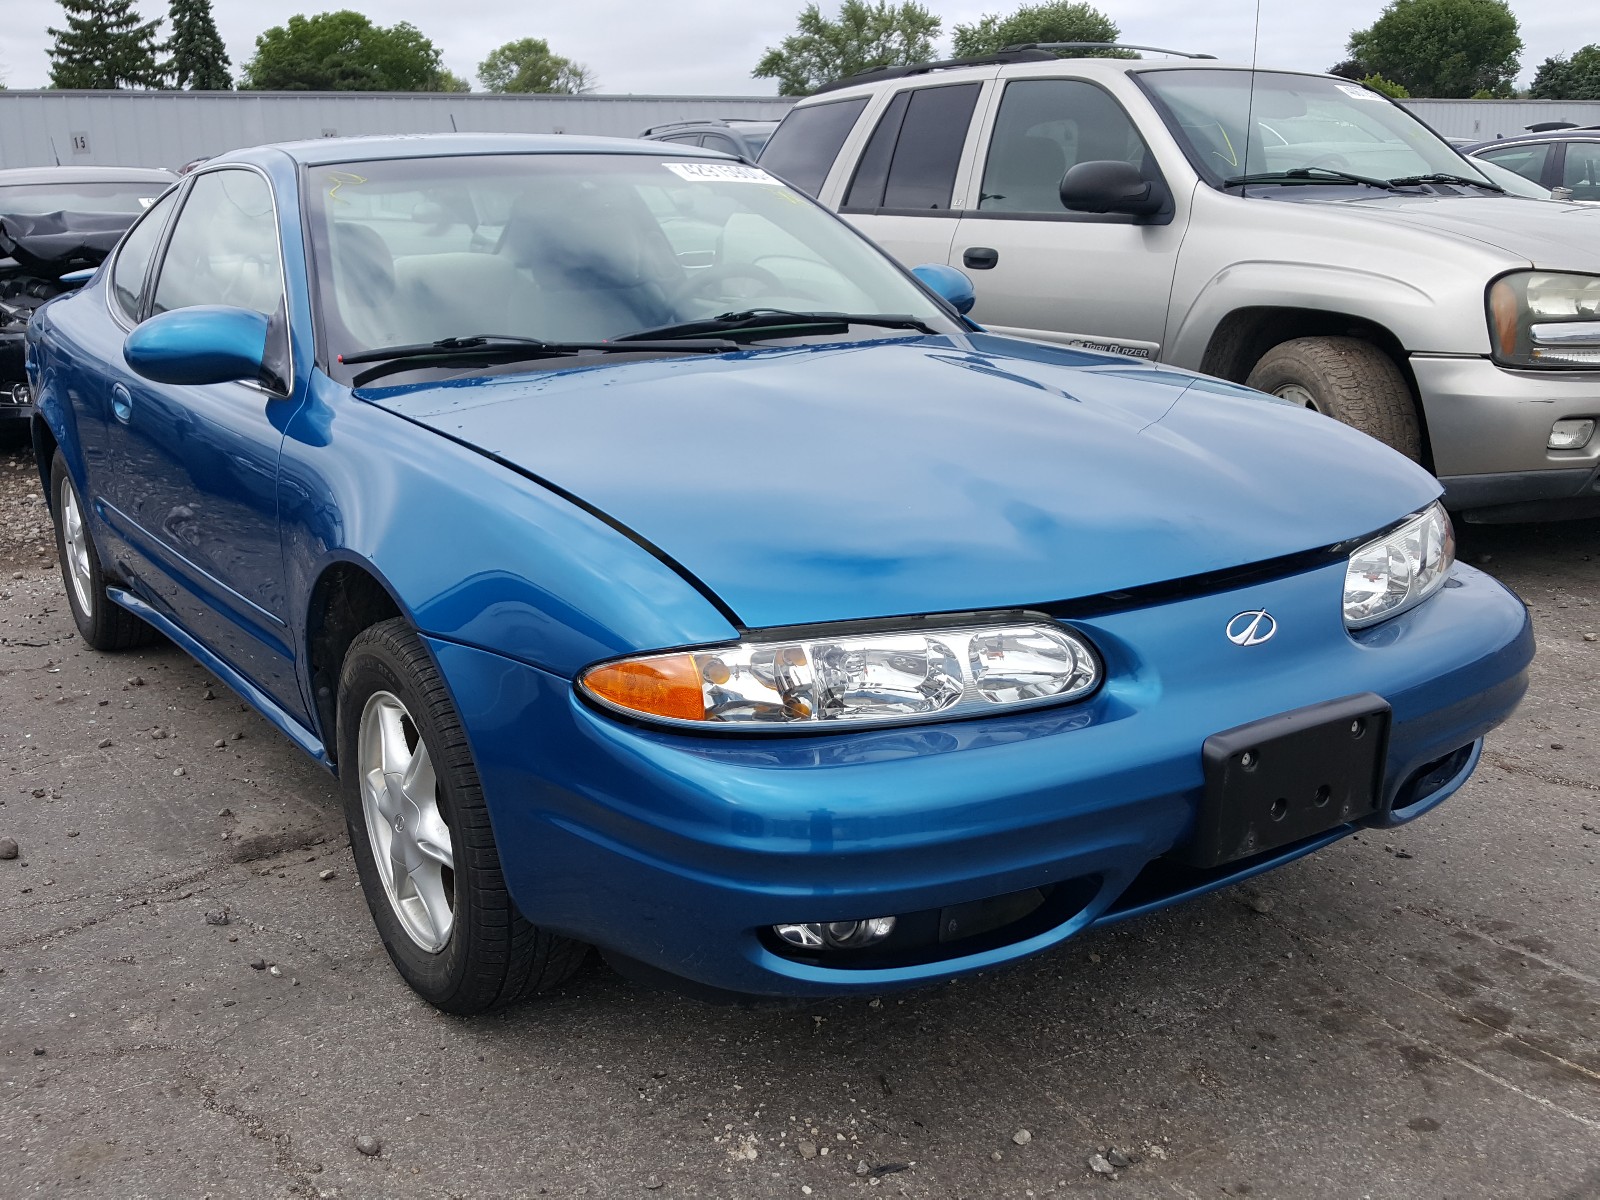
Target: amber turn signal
{"points": [[664, 686]]}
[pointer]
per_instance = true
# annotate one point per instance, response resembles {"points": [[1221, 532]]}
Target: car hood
{"points": [[1552, 235], [888, 478]]}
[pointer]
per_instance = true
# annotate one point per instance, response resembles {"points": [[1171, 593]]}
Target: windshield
{"points": [[577, 248], [1294, 122], [31, 199]]}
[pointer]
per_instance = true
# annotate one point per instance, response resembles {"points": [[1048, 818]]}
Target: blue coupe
{"points": [[660, 567]]}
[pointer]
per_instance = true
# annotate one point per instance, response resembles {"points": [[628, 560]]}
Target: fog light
{"points": [[837, 935], [1571, 434]]}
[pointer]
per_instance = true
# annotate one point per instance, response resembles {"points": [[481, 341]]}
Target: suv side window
{"points": [[1581, 172], [1044, 128], [910, 162], [805, 145], [133, 257], [1526, 160], [715, 141]]}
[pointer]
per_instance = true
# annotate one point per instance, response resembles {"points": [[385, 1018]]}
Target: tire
{"points": [[439, 899], [102, 623], [1347, 379]]}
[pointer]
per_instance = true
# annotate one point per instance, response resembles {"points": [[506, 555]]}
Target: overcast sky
{"points": [[707, 47]]}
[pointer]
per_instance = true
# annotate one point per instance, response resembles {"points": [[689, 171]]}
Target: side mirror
{"points": [[205, 344], [949, 283], [76, 279], [1112, 186]]}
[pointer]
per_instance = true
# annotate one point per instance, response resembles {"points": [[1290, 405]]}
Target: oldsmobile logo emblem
{"points": [[1252, 628]]}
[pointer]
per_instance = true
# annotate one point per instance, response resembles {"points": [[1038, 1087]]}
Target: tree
{"points": [[197, 58], [105, 45], [1563, 78], [1061, 21], [344, 52], [1388, 87], [864, 36], [1443, 48], [529, 65]]}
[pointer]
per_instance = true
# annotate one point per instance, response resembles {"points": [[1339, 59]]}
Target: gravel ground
{"points": [[195, 1006]]}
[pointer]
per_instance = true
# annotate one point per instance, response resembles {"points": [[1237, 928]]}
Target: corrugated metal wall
{"points": [[1486, 119], [167, 129]]}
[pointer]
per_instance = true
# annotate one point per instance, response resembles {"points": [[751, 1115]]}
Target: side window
{"points": [[715, 141], [684, 139], [1527, 161], [1581, 171], [224, 247], [910, 162], [808, 141], [133, 257], [1045, 127]]}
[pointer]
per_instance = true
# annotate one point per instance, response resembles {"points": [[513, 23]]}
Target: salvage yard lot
{"points": [[1414, 1013]]}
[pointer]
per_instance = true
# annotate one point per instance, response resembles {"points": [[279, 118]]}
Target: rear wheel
{"points": [[102, 623], [420, 834], [1346, 379]]}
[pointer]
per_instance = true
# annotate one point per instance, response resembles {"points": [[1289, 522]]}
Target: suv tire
{"points": [[1347, 379]]}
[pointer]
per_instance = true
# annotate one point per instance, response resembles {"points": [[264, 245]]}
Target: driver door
{"points": [[194, 480], [1100, 281]]}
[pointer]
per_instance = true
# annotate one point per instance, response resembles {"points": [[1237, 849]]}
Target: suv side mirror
{"points": [[1112, 186], [948, 283]]}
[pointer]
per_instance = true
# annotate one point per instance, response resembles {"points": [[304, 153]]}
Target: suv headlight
{"points": [[820, 681], [1545, 319], [1399, 570]]}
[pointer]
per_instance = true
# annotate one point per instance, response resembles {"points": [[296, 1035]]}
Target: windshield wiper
{"points": [[1312, 175], [780, 318], [504, 348], [1445, 177]]}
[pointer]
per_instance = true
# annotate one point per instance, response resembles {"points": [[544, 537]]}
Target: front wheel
{"points": [[102, 623], [1347, 379], [420, 834]]}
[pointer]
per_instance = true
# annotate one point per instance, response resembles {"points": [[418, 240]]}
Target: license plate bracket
{"points": [[1288, 777]]}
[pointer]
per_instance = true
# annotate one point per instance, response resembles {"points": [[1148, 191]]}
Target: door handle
{"points": [[980, 258], [121, 403]]}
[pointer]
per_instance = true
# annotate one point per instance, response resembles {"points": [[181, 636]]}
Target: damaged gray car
{"points": [[55, 221]]}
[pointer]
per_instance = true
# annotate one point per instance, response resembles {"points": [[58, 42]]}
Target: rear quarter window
{"points": [[805, 145]]}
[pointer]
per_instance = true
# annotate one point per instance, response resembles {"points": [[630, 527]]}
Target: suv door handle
{"points": [[980, 258], [121, 403]]}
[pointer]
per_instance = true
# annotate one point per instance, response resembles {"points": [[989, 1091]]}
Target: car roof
{"points": [[322, 151], [1088, 68], [17, 176], [1589, 133]]}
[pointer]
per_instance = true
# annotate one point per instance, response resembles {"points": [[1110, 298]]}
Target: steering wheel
{"points": [[702, 282]]}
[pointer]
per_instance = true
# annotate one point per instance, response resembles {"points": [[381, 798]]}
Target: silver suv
{"points": [[1296, 232]]}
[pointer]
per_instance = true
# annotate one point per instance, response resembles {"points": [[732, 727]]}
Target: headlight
{"points": [[1541, 319], [852, 680], [1401, 569]]}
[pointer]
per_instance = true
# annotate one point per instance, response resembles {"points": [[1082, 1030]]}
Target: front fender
{"points": [[470, 550], [1407, 311]]}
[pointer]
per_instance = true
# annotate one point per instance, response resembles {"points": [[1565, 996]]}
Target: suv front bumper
{"points": [[1488, 429]]}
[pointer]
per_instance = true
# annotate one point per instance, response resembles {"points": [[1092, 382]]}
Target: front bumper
{"points": [[1487, 428], [675, 851], [14, 406]]}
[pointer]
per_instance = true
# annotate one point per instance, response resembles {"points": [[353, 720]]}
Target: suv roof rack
{"points": [[1011, 54], [1101, 46], [707, 121], [1550, 126]]}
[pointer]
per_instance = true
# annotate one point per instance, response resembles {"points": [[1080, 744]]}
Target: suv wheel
{"points": [[1346, 379]]}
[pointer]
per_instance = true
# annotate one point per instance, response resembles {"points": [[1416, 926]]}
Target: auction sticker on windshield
{"points": [[711, 172], [1359, 93]]}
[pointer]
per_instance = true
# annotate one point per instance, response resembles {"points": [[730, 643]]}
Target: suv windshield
{"points": [[1294, 122], [577, 248]]}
